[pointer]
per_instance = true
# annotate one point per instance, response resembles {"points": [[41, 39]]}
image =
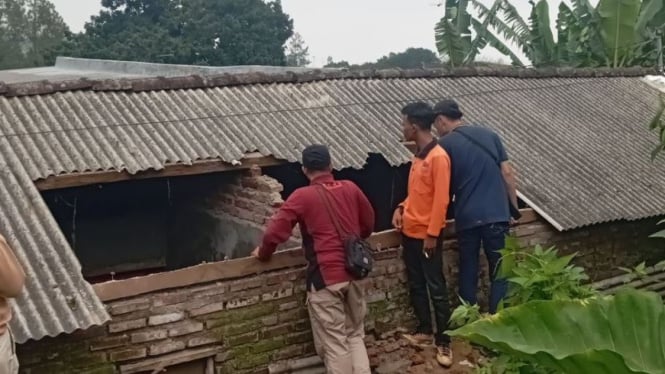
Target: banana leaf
{"points": [[543, 49], [621, 334], [618, 21]]}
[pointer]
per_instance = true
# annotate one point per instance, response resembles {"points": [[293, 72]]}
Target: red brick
{"points": [[125, 307], [166, 347], [201, 340], [109, 342], [288, 352], [278, 294], [302, 325], [148, 336], [288, 306], [165, 318], [127, 354], [207, 309], [245, 284], [270, 320], [274, 331], [242, 339], [188, 327], [299, 337], [170, 299], [242, 302], [284, 277], [127, 325]]}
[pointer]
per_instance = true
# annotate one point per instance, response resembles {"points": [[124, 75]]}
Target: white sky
{"points": [[353, 30]]}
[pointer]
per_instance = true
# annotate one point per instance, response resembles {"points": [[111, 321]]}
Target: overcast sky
{"points": [[353, 30]]}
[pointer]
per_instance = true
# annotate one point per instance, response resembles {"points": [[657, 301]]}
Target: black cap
{"points": [[448, 108], [316, 157]]}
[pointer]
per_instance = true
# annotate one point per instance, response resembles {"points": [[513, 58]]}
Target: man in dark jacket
{"points": [[335, 300], [483, 184]]}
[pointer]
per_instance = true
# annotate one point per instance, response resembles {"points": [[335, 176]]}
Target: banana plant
{"points": [[453, 33], [621, 334], [614, 33]]}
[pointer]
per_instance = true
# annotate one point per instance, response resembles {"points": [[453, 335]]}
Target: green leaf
{"points": [[543, 48], [623, 334], [618, 19], [659, 235], [648, 12]]}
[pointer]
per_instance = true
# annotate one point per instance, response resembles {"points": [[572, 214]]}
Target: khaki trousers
{"points": [[337, 316], [8, 360]]}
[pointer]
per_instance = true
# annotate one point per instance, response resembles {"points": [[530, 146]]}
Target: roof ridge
{"points": [[45, 87]]}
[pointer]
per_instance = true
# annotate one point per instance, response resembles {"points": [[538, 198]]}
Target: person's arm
{"points": [[12, 276], [366, 212], [441, 184], [281, 226], [507, 171], [510, 178]]}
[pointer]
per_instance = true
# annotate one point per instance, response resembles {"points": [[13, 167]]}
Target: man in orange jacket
{"points": [[420, 218]]}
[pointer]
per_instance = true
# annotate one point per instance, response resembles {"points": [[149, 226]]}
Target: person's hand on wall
{"points": [[255, 252]]}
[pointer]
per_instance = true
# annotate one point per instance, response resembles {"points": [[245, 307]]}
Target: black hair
{"points": [[448, 108], [419, 114], [316, 157]]}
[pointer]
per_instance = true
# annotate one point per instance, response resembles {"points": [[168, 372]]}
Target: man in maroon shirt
{"points": [[335, 300]]}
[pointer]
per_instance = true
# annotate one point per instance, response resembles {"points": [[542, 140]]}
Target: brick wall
{"points": [[251, 197], [246, 323], [243, 324], [243, 205]]}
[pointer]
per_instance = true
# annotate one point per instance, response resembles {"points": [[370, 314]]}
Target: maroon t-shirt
{"points": [[323, 246]]}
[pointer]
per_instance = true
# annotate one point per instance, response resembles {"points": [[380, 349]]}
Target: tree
{"points": [[330, 63], [297, 53], [411, 58], [205, 32], [30, 33]]}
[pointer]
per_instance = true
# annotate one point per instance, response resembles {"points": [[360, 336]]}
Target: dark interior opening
{"points": [[135, 228]]}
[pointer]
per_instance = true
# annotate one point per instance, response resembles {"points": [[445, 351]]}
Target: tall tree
{"points": [[206, 32], [30, 33], [411, 58], [297, 53]]}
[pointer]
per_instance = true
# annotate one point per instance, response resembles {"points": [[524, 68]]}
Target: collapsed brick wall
{"points": [[246, 324], [243, 206], [251, 197]]}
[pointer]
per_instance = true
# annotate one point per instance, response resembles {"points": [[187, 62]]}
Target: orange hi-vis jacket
{"points": [[428, 196]]}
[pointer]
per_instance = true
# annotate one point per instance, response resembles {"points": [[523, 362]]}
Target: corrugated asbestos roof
{"points": [[56, 298], [578, 138]]}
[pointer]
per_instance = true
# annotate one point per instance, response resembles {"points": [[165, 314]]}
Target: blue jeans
{"points": [[493, 238]]}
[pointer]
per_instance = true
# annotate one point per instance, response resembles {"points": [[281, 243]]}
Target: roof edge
{"points": [[224, 80]]}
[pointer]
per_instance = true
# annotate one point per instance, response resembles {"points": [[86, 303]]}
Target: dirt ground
{"points": [[392, 354]]}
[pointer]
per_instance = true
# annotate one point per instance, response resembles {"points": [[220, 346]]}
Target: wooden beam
{"points": [[217, 271], [384, 242], [175, 170]]}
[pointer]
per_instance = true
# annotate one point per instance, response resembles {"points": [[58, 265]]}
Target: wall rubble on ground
{"points": [[246, 323]]}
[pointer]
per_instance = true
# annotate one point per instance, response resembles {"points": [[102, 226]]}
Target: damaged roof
{"points": [[577, 137]]}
